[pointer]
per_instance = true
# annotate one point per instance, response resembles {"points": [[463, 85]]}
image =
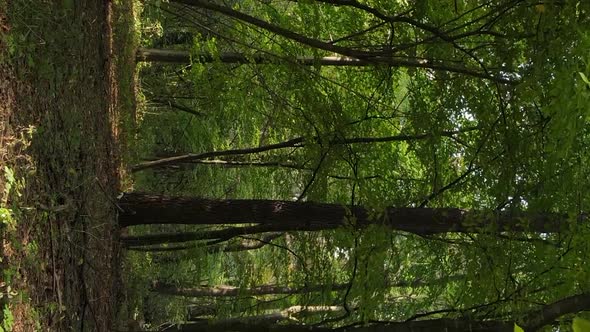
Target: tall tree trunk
{"points": [[275, 316], [281, 216]]}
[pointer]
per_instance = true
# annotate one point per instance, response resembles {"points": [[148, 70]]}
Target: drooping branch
{"points": [[437, 32], [275, 28], [371, 56], [292, 143]]}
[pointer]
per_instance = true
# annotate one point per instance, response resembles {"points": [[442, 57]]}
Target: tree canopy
{"points": [[466, 113]]}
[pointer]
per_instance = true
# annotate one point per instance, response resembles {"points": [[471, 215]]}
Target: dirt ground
{"points": [[59, 164]]}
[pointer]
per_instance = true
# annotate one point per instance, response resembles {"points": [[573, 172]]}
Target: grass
{"points": [[66, 90]]}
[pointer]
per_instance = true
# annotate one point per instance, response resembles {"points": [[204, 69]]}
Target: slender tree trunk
{"points": [[184, 57], [214, 236], [229, 291], [281, 216], [292, 143], [276, 316], [245, 244], [278, 164]]}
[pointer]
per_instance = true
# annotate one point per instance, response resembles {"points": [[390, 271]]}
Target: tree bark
{"points": [[282, 216]]}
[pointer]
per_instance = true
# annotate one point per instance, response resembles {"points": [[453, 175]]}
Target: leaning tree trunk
{"points": [[281, 216]]}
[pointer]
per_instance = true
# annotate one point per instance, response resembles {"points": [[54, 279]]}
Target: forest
{"points": [[306, 165]]}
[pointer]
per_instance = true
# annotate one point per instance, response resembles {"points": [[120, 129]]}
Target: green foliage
{"points": [[484, 144], [580, 325], [7, 320]]}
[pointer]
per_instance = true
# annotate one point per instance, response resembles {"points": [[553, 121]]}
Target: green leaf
{"points": [[9, 174], [68, 4], [517, 328], [581, 325], [584, 78]]}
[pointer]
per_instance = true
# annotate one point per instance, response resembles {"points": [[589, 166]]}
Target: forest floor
{"points": [[66, 95]]}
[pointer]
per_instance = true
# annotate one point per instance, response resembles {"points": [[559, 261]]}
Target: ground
{"points": [[66, 91]]}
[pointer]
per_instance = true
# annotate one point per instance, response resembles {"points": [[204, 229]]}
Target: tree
{"points": [[141, 209]]}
